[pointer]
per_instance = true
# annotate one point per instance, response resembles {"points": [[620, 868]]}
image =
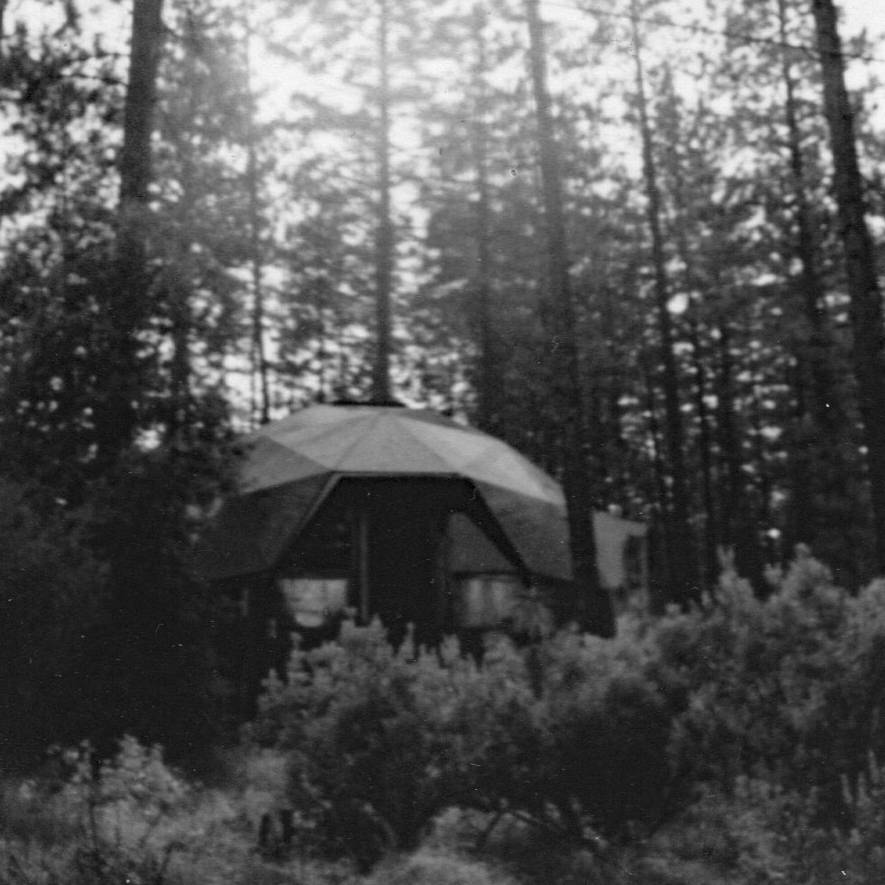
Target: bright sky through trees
{"points": [[300, 176]]}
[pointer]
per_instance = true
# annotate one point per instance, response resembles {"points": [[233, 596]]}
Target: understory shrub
{"points": [[788, 689], [51, 590], [740, 742], [598, 743], [762, 834], [380, 741], [364, 727], [127, 819]]}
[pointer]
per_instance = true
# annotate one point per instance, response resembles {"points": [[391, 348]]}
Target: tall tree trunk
{"points": [[384, 224], [738, 524], [705, 446], [259, 351], [182, 322], [117, 417], [863, 286], [685, 585], [261, 400], [729, 445], [826, 409], [489, 376], [567, 391], [135, 156], [821, 472], [178, 289], [763, 477], [710, 561], [662, 565], [800, 463]]}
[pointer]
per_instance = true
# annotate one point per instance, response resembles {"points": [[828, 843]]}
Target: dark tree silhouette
{"points": [[567, 387], [860, 265]]}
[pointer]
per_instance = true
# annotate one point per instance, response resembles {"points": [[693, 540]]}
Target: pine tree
{"points": [[860, 266], [683, 578], [116, 414], [568, 391]]}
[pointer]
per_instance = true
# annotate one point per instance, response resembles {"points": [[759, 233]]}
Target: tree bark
{"points": [[729, 445], [863, 285], [261, 401], [138, 119], [489, 375], [705, 445], [821, 472], [384, 224], [567, 391], [117, 416], [178, 273], [685, 586], [710, 560], [663, 549], [826, 410]]}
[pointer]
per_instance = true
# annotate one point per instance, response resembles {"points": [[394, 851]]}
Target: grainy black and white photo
{"points": [[442, 443]]}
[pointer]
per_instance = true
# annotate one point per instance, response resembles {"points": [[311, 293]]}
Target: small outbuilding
{"points": [[393, 512]]}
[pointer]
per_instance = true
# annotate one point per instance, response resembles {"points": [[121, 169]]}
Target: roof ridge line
{"points": [[427, 448], [374, 419]]}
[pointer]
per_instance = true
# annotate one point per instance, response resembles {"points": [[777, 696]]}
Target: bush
{"points": [[128, 819], [569, 734], [380, 741], [760, 833], [134, 819], [364, 728], [151, 668], [104, 627], [788, 689], [733, 743], [606, 730], [50, 594], [598, 743]]}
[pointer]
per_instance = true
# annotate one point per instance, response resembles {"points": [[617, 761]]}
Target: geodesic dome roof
{"points": [[291, 465]]}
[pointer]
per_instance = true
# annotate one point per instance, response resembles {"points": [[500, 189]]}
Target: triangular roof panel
{"points": [[288, 464]]}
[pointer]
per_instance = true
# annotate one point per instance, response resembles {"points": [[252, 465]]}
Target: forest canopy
{"points": [[639, 240]]}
